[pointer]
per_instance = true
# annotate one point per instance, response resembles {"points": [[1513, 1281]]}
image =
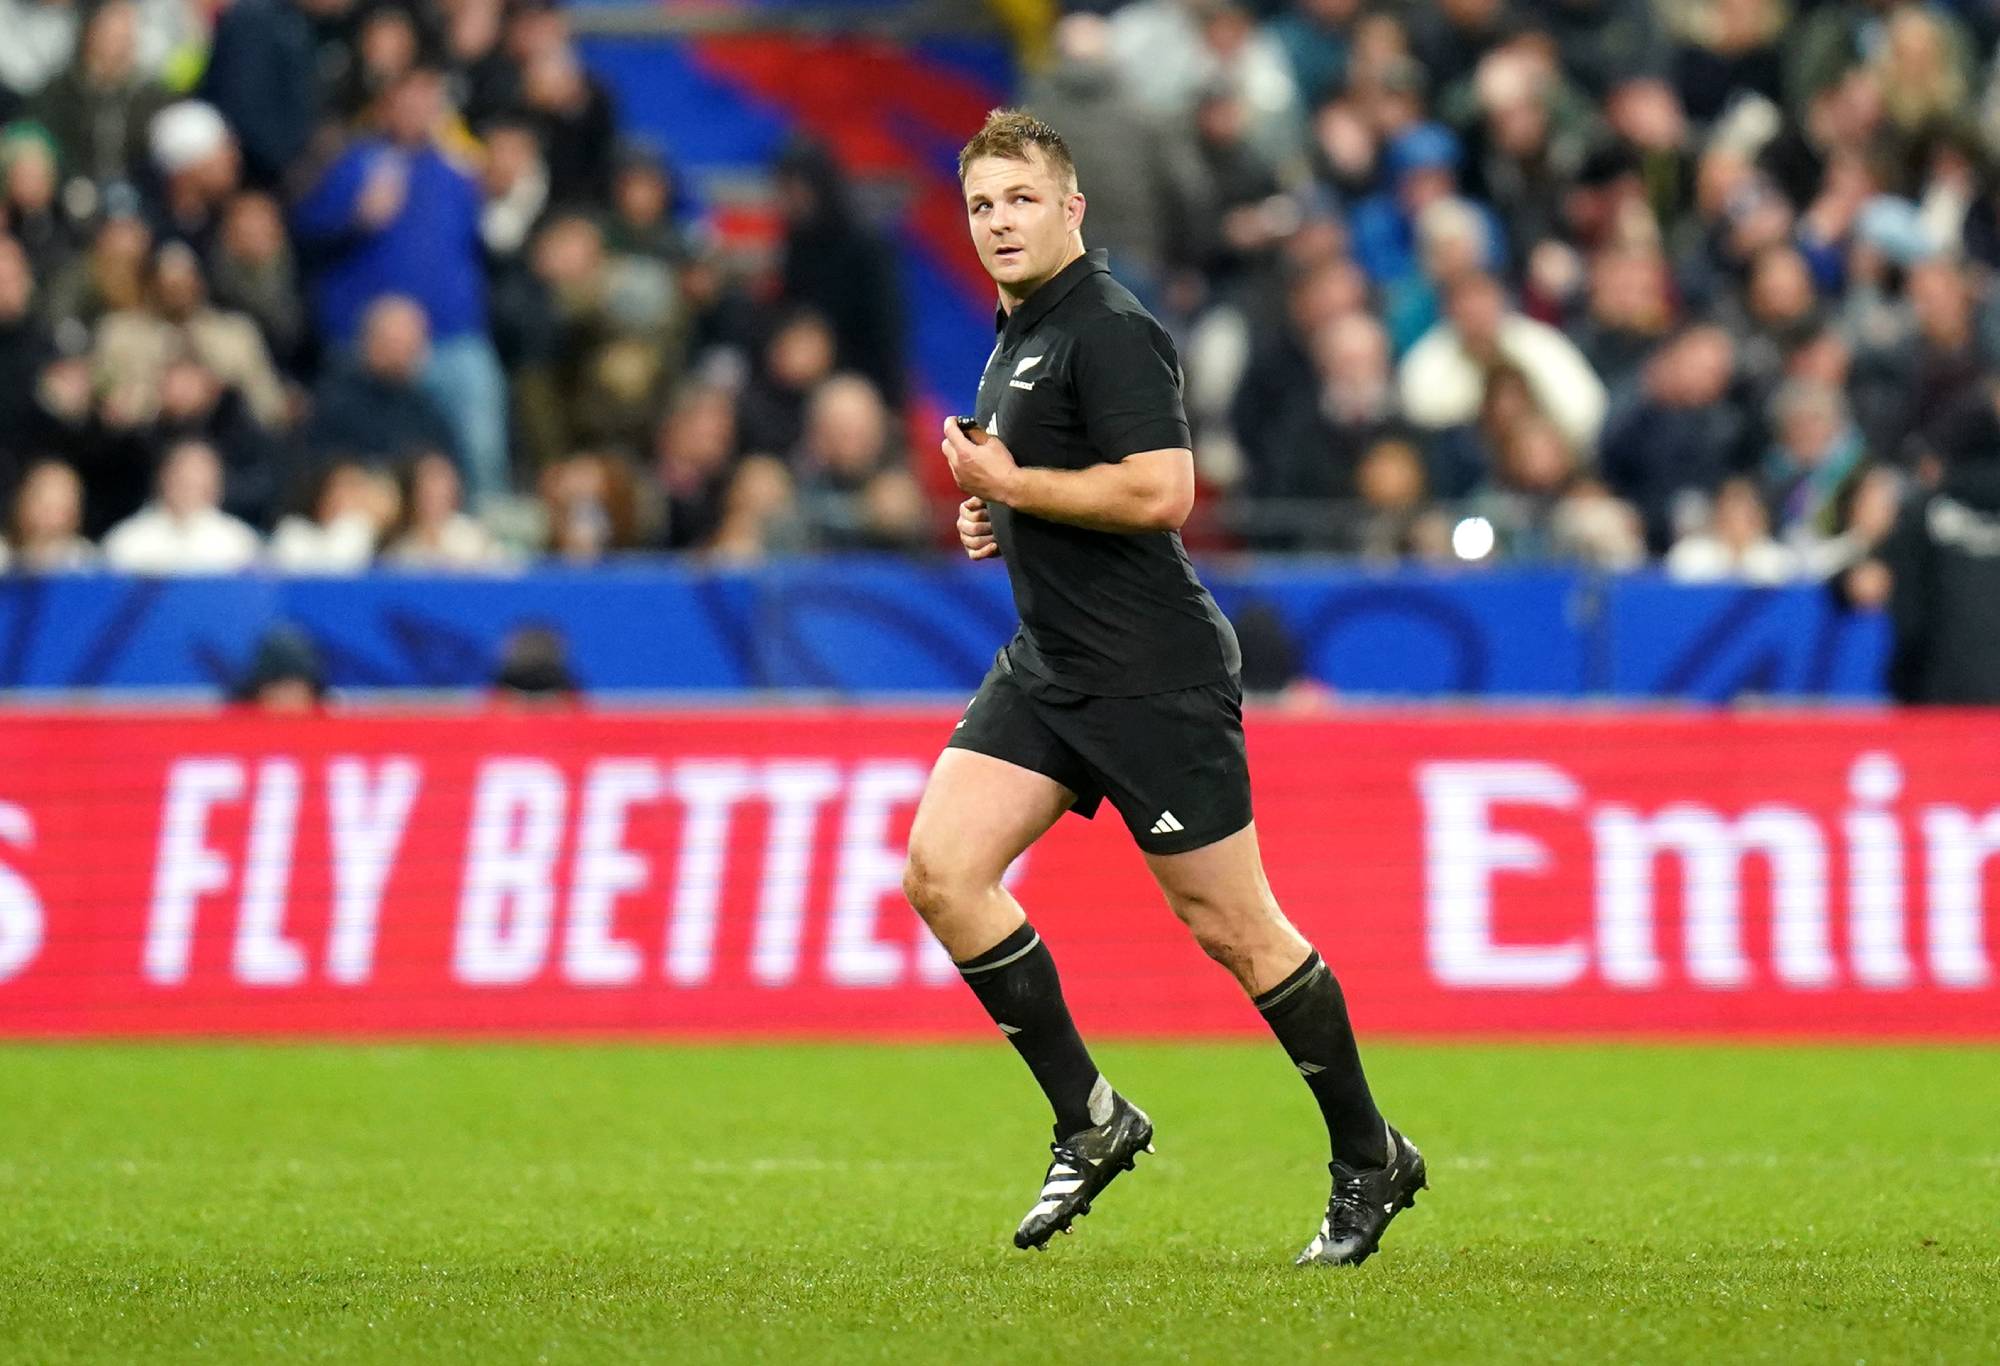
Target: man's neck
{"points": [[1010, 301]]}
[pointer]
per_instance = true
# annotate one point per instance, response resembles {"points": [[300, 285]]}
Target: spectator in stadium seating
{"points": [[1677, 431], [378, 407], [30, 211], [185, 530], [1727, 49], [486, 82], [515, 180], [1316, 445], [352, 506], [1136, 169], [285, 673], [759, 513], [263, 76], [198, 170], [99, 110], [570, 108], [1734, 544], [1543, 508], [1779, 308], [61, 421], [1395, 518], [25, 347], [614, 350], [534, 671], [1421, 168], [640, 221], [195, 405], [432, 530], [1451, 37], [1526, 165], [692, 459], [1461, 458], [854, 483], [44, 533], [135, 345], [1383, 99], [1938, 366], [1604, 41], [1454, 239], [841, 268], [1647, 123], [591, 505], [1442, 379], [385, 49], [110, 276], [1628, 313], [253, 272], [1924, 69], [394, 215], [797, 358], [1815, 461], [1236, 212], [41, 39], [1313, 34], [1170, 51]]}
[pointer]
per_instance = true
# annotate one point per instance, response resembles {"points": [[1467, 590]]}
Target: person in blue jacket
{"points": [[1420, 168], [395, 215]]}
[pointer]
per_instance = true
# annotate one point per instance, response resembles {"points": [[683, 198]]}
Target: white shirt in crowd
{"points": [[1702, 558], [1441, 385], [460, 543], [345, 545], [154, 541]]}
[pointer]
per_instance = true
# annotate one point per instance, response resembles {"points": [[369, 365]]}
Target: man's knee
{"points": [[1234, 932], [937, 886]]}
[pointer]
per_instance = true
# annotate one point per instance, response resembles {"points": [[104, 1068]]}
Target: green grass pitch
{"points": [[837, 1203]]}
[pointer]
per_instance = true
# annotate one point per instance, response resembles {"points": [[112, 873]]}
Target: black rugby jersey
{"points": [[1083, 375]]}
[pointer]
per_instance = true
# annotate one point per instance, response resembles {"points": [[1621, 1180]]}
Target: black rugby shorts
{"points": [[1172, 763]]}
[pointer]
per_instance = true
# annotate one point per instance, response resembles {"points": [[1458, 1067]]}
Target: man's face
{"points": [[396, 340], [1476, 309], [415, 104], [191, 481], [1021, 218]]}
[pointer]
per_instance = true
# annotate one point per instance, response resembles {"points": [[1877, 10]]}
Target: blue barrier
{"points": [[864, 625], [1710, 643]]}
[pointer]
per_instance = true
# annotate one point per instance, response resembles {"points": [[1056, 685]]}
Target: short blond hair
{"points": [[1013, 134]]}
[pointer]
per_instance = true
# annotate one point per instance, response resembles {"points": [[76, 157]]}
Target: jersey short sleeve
{"points": [[1128, 387]]}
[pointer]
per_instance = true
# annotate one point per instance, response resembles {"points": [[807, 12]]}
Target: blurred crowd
{"points": [[317, 283], [320, 283], [1607, 281]]}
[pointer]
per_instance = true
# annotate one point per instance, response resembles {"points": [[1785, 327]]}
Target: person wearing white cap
{"points": [[196, 157]]}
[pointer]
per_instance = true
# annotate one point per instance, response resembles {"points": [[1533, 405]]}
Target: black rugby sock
{"points": [[1308, 1014], [1016, 981]]}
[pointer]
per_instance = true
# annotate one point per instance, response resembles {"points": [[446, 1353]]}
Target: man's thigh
{"points": [[978, 814]]}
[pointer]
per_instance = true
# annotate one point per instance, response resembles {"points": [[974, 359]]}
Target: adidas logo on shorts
{"points": [[1167, 825]]}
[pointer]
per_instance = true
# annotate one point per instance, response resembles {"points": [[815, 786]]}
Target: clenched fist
{"points": [[975, 530]]}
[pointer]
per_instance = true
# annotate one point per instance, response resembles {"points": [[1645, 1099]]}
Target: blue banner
{"points": [[858, 626]]}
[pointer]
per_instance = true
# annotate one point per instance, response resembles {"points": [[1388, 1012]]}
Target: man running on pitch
{"points": [[1122, 683]]}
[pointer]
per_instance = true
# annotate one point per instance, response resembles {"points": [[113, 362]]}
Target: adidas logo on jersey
{"points": [[1167, 825]]}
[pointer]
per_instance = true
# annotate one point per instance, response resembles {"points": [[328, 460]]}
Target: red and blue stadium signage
{"points": [[737, 873]]}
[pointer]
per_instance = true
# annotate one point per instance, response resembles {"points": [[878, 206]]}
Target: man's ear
{"points": [[1073, 207]]}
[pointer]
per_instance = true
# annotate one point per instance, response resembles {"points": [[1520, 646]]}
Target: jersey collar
{"points": [[1037, 305]]}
